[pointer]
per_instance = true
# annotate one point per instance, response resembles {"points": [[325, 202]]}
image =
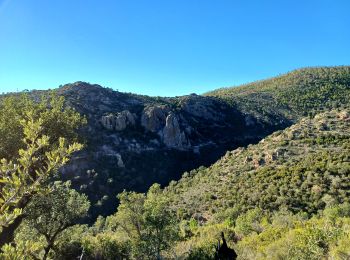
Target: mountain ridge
{"points": [[134, 140]]}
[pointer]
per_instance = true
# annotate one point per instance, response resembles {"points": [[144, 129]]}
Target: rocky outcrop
{"points": [[153, 118], [171, 135], [119, 121], [156, 119], [120, 162], [160, 120], [108, 121]]}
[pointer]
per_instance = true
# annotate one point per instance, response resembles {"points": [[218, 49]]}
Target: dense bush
{"points": [[321, 237]]}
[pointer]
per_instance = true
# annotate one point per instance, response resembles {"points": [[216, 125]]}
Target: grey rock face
{"points": [[153, 118], [172, 136], [160, 120], [120, 162], [119, 121], [108, 121]]}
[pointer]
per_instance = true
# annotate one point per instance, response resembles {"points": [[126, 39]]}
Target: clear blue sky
{"points": [[166, 47]]}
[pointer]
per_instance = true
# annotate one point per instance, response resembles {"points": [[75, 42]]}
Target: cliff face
{"points": [[133, 141]]}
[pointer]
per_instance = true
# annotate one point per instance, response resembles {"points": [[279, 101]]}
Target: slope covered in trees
{"points": [[183, 133], [301, 168], [291, 95], [208, 126], [286, 197]]}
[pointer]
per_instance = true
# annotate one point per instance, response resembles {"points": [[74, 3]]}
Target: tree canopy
{"points": [[36, 139]]}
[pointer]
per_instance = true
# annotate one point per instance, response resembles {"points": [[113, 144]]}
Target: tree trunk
{"points": [[47, 250]]}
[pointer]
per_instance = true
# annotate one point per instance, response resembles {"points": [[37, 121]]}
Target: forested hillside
{"points": [[286, 197], [126, 132], [267, 163], [299, 168], [291, 95]]}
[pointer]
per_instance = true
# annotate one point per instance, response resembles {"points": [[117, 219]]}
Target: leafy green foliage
{"points": [[22, 250], [147, 221], [203, 242], [39, 158], [142, 228], [106, 245], [24, 173], [56, 121], [298, 238], [249, 223], [276, 235], [51, 214], [279, 197]]}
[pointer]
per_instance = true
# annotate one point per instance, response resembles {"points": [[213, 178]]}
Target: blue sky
{"points": [[166, 47]]}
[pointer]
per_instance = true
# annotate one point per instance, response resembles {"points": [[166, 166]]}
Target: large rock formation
{"points": [[153, 118], [119, 121], [164, 122], [171, 134]]}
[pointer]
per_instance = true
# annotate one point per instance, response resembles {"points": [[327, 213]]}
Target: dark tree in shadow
{"points": [[223, 252]]}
